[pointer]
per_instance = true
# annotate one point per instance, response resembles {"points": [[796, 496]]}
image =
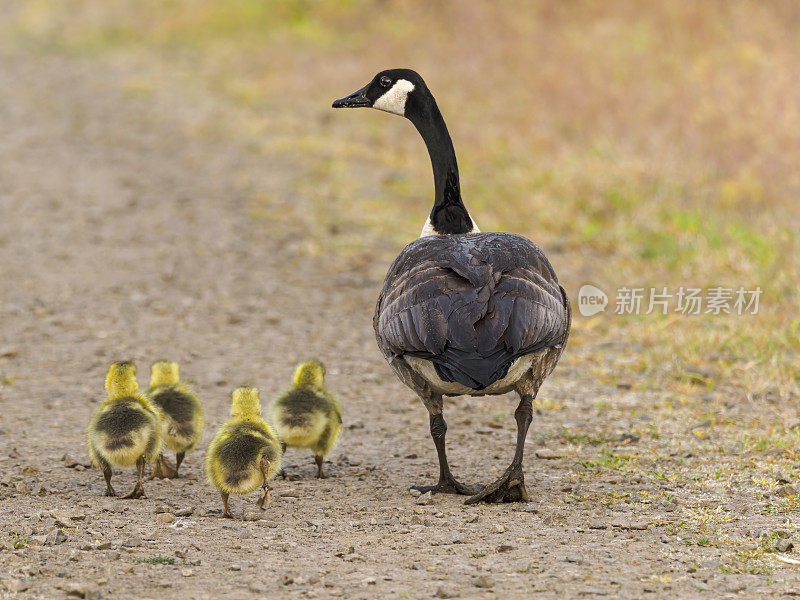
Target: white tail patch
{"points": [[394, 100]]}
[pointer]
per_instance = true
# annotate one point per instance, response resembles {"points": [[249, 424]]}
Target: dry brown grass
{"points": [[641, 144]]}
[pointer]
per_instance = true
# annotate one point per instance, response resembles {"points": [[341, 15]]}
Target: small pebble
{"points": [[132, 542], [55, 537], [425, 499]]}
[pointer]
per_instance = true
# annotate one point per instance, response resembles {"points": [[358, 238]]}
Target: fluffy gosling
{"points": [[184, 419], [245, 452], [125, 430], [307, 415]]}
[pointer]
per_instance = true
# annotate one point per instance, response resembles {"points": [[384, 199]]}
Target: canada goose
{"points": [[463, 312], [307, 415], [245, 452], [184, 419], [125, 430]]}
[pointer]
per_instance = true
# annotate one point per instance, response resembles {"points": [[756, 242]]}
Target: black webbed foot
{"points": [[448, 486], [510, 487]]}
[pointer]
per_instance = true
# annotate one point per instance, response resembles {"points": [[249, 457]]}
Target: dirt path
{"points": [[125, 235]]}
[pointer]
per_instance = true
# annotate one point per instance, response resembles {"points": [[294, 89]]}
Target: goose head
{"points": [[403, 92], [398, 91]]}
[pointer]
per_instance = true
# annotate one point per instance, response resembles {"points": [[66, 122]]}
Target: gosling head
{"points": [[245, 403], [398, 91], [309, 374], [164, 372], [121, 379]]}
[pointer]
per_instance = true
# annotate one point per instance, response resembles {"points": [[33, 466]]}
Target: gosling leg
{"points": [[263, 501], [225, 512], [318, 459], [107, 474], [283, 451], [178, 460], [138, 489]]}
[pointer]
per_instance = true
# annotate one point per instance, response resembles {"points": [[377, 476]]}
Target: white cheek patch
{"points": [[394, 100]]}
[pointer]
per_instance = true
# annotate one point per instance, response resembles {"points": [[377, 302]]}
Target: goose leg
{"points": [[447, 484], [510, 487], [138, 489]]}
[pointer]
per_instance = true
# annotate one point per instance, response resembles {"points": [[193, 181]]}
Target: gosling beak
{"points": [[354, 100]]}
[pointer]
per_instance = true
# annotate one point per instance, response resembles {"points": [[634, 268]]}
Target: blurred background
{"points": [[639, 144], [174, 183]]}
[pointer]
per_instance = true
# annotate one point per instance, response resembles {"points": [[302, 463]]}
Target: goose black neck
{"points": [[449, 215]]}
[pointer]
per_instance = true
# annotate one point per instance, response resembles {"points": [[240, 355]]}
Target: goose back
{"points": [[471, 304]]}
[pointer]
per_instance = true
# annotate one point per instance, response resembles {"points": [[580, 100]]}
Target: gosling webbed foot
{"points": [[510, 487], [448, 485], [263, 500], [163, 469], [136, 492]]}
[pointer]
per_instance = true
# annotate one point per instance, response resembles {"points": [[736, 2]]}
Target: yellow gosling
{"points": [[307, 415], [184, 418], [125, 430], [245, 452]]}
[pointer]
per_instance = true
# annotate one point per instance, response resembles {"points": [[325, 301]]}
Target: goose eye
{"points": [[386, 81]]}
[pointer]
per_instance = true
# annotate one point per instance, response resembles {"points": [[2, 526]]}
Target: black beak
{"points": [[354, 100]]}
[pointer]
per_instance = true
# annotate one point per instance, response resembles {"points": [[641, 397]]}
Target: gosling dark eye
{"points": [[386, 81]]}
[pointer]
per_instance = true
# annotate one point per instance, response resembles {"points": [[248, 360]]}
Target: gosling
{"points": [[125, 430], [245, 452], [184, 419], [307, 415]]}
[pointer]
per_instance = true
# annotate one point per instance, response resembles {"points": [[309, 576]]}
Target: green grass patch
{"points": [[158, 559]]}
